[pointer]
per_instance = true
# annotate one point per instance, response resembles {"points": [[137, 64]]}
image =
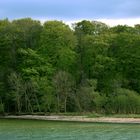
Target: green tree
{"points": [[28, 32], [16, 85], [55, 37], [63, 83]]}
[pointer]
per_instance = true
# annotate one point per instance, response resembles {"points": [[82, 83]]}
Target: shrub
{"points": [[126, 101]]}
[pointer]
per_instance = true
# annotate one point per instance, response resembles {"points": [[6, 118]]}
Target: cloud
{"points": [[109, 22]]}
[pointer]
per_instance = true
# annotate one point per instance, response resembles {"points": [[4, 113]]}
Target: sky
{"points": [[111, 12]]}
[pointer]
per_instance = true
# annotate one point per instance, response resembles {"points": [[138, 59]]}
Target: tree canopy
{"points": [[51, 67]]}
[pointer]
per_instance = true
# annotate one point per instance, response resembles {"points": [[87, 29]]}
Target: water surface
{"points": [[12, 129]]}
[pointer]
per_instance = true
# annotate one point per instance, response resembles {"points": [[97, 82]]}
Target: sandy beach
{"points": [[77, 118]]}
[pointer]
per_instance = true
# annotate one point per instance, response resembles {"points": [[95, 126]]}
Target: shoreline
{"points": [[75, 119]]}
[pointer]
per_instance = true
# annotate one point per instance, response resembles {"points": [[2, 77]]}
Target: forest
{"points": [[51, 67]]}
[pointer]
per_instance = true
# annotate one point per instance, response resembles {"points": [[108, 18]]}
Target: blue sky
{"points": [[72, 10]]}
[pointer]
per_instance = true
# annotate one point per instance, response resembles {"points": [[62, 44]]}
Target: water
{"points": [[11, 129]]}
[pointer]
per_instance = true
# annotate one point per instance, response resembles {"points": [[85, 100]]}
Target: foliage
{"points": [[53, 68]]}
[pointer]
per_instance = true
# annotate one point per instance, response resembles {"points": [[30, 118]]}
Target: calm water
{"points": [[48, 130]]}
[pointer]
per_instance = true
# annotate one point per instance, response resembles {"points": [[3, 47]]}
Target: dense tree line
{"points": [[90, 67]]}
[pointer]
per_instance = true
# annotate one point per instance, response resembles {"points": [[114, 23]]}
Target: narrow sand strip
{"points": [[77, 118]]}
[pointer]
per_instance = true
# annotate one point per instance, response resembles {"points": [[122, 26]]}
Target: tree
{"points": [[90, 27], [85, 95], [125, 50], [34, 69], [90, 44], [7, 58], [63, 83], [16, 85], [53, 68], [28, 32], [55, 37]]}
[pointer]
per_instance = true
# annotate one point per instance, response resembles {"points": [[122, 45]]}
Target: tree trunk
{"points": [[65, 105]]}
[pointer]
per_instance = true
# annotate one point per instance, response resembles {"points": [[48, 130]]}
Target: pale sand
{"points": [[77, 118]]}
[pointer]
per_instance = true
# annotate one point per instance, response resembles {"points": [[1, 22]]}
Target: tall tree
{"points": [[63, 83]]}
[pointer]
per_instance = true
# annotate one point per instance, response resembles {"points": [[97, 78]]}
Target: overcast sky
{"points": [[109, 11]]}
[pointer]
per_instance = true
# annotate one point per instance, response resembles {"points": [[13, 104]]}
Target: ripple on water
{"points": [[48, 130]]}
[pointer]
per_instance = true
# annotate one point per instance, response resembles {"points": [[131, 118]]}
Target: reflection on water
{"points": [[49, 130]]}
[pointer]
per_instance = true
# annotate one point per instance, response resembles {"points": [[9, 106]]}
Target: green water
{"points": [[49, 130]]}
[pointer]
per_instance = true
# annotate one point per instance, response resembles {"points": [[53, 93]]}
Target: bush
{"points": [[126, 101], [100, 103]]}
